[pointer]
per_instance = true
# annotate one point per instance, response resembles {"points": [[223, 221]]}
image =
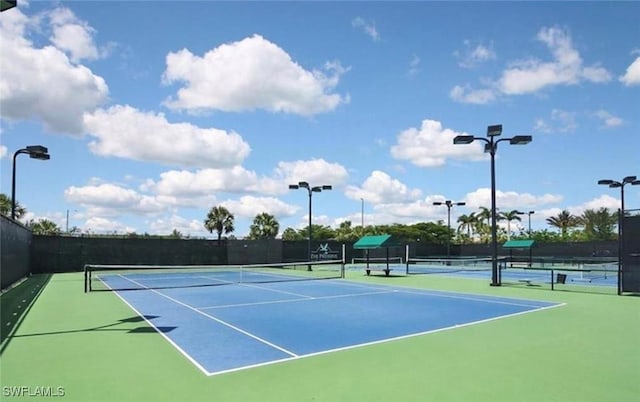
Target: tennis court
{"points": [[560, 273], [270, 319], [359, 338]]}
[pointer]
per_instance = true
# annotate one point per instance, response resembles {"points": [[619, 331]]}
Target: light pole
{"points": [[491, 146], [34, 152], [310, 190], [527, 213], [615, 184], [449, 204], [530, 213]]}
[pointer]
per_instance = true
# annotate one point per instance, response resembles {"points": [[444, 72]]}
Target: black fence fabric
{"points": [[15, 244], [631, 254], [67, 254], [51, 254]]}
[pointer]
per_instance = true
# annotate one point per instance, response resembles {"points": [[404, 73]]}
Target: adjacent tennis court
{"points": [[268, 319], [560, 273]]}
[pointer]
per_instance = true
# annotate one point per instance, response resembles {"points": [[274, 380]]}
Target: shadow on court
{"points": [[115, 326]]}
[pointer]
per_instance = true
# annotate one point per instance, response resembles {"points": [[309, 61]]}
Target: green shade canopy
{"points": [[518, 244], [376, 241]]}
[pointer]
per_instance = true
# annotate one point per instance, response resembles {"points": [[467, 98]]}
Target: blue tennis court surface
{"points": [[237, 326]]}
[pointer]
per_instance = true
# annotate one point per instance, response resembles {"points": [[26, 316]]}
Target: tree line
{"points": [[475, 227]]}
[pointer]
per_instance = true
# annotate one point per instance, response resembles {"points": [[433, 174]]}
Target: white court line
{"points": [[249, 285], [294, 356], [466, 324], [165, 336], [229, 325], [451, 294], [297, 300]]}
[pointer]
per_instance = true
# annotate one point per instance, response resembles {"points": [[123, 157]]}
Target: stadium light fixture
{"points": [[520, 140], [35, 152], [491, 146], [310, 191], [463, 139], [449, 204], [8, 4], [494, 131]]}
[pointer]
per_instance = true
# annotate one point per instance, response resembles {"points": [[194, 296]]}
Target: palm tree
{"points": [[346, 232], [291, 234], [44, 227], [176, 234], [481, 227], [220, 220], [466, 223], [513, 215], [564, 221], [5, 207], [265, 226], [600, 224]]}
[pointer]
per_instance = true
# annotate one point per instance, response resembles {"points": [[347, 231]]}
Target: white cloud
{"points": [[608, 119], [467, 94], [3, 151], [632, 74], [113, 200], [431, 145], [72, 35], [316, 172], [604, 201], [368, 27], [567, 68], [37, 82], [167, 225], [97, 224], [126, 132], [561, 122], [251, 74], [507, 200], [250, 206], [379, 187], [414, 65], [472, 55], [184, 183], [533, 75]]}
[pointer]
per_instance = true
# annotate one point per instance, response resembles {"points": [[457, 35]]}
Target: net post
{"points": [[344, 257], [86, 286], [406, 258], [552, 275]]}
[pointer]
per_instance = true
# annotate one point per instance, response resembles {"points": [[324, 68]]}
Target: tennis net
{"points": [[449, 265], [377, 260], [136, 277], [563, 274]]}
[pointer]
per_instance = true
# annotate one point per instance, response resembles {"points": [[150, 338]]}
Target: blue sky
{"points": [[154, 112]]}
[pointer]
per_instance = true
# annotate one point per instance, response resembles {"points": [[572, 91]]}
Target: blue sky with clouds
{"points": [[154, 112]]}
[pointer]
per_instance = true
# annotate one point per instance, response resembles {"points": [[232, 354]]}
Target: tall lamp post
{"points": [[310, 190], [530, 213], [615, 184], [491, 146], [527, 213], [34, 152], [449, 204]]}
